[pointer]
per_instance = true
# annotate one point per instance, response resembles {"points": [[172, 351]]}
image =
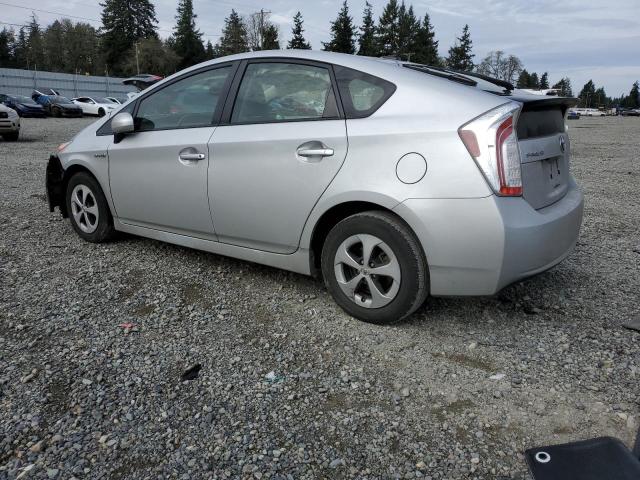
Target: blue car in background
{"points": [[55, 104], [25, 106]]}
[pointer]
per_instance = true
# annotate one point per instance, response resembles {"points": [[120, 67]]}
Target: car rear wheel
{"points": [[101, 112], [88, 209], [11, 137], [374, 267]]}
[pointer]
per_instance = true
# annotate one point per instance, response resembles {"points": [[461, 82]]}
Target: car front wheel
{"points": [[374, 267], [88, 209]]}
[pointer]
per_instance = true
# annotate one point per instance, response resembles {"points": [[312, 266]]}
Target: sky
{"points": [[580, 39]]}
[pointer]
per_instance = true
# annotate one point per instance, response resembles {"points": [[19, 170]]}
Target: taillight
{"points": [[492, 141]]}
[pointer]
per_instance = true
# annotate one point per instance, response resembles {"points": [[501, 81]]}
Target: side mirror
{"points": [[121, 125]]}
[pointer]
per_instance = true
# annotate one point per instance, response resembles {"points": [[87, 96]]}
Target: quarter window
{"points": [[187, 103], [362, 94], [284, 92]]}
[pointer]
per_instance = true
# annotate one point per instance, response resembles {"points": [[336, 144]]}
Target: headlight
{"points": [[62, 146]]}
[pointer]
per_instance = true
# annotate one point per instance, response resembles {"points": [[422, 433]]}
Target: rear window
{"points": [[362, 94]]}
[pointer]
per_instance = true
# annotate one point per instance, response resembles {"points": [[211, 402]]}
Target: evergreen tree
{"points": [[460, 55], [600, 98], [524, 80], [408, 27], [587, 94], [54, 47], [297, 40], [387, 36], [564, 85], [633, 100], [187, 38], [426, 46], [7, 39], [544, 81], [35, 46], [124, 22], [367, 40], [21, 50], [342, 33], [234, 36], [270, 39], [534, 81], [209, 52]]}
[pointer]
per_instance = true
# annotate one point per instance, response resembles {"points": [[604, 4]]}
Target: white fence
{"points": [[22, 82]]}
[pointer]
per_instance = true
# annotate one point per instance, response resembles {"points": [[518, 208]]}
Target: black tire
{"points": [[414, 283], [11, 137], [101, 112], [104, 230], [57, 112]]}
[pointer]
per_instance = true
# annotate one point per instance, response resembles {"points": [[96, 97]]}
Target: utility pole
{"points": [[262, 13], [137, 61]]}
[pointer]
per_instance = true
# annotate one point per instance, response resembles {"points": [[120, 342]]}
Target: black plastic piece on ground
{"points": [[596, 459], [191, 373]]}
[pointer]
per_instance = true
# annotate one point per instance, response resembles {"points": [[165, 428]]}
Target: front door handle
{"points": [[192, 157], [314, 149]]}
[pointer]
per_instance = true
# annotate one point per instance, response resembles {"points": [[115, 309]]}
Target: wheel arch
{"points": [[58, 179], [338, 212]]}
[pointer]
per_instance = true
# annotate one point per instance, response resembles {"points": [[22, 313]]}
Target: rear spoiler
{"points": [[543, 102]]}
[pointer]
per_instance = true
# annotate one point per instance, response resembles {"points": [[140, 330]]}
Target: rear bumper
{"points": [[478, 246]]}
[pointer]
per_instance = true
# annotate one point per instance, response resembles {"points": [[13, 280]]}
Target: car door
{"points": [[281, 143], [158, 174]]}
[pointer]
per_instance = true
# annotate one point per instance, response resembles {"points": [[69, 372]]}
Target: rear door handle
{"points": [[314, 149], [192, 157]]}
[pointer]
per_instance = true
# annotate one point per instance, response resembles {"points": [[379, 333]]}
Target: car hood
{"points": [[4, 108]]}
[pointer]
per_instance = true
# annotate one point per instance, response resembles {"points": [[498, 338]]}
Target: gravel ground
{"points": [[290, 386]]}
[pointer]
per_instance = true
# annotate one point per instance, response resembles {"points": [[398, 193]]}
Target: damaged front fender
{"points": [[55, 186]]}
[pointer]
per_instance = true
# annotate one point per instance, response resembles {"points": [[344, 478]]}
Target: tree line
{"points": [[128, 43]]}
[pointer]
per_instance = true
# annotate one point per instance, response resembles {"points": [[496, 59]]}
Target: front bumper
{"points": [[478, 246], [9, 125]]}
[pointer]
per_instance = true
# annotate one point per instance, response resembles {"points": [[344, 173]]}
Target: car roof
{"points": [[358, 62]]}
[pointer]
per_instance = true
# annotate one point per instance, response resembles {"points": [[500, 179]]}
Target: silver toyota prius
{"points": [[390, 180]]}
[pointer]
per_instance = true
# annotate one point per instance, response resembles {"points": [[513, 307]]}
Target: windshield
{"points": [[23, 99], [56, 99], [101, 100]]}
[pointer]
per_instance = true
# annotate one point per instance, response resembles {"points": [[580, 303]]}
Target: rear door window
{"points": [[284, 92], [362, 94]]}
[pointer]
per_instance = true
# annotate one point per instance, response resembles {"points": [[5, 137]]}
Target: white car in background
{"points": [[115, 100], [9, 123], [95, 105]]}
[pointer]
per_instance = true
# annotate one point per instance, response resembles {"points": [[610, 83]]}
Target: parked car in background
{"points": [[630, 112], [9, 123], [591, 112], [142, 81], [117, 100], [24, 106], [94, 105], [573, 115], [57, 106], [336, 165]]}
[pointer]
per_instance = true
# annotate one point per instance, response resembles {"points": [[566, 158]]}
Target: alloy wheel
{"points": [[367, 271], [84, 208]]}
